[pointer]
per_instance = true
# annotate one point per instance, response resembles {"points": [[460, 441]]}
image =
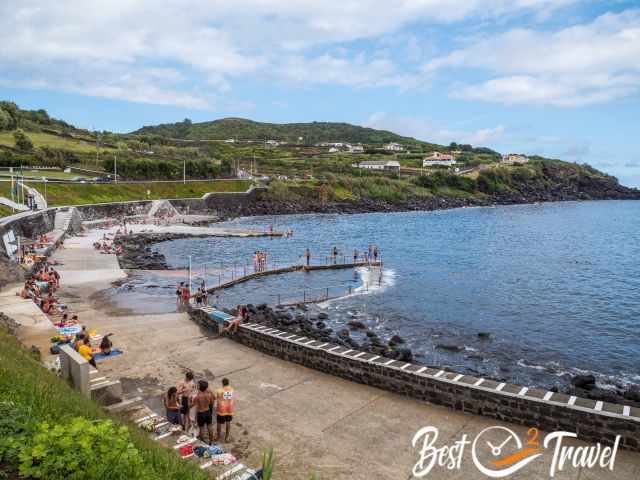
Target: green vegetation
{"points": [[47, 427], [5, 211], [23, 143], [242, 129], [50, 140], [84, 193], [537, 176]]}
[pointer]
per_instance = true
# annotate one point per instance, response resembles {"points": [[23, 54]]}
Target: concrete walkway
{"points": [[315, 422]]}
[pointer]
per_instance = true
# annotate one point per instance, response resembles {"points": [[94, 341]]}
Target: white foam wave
{"points": [[373, 280]]}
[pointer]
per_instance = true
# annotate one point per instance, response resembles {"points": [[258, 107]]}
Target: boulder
{"points": [[344, 333], [396, 340], [586, 382], [322, 316], [356, 325], [484, 335]]}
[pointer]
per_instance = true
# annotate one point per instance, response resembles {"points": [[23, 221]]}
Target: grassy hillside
{"points": [[43, 139], [82, 193], [242, 129], [539, 180], [32, 397]]}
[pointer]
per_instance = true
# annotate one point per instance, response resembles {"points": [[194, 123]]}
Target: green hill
{"points": [[243, 129]]}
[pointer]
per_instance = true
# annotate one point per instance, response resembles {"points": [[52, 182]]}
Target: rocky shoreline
{"points": [[300, 319], [137, 253]]}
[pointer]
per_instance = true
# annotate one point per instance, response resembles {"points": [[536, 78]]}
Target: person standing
{"points": [[334, 254], [225, 408], [355, 256], [186, 294], [187, 391], [307, 254], [179, 293], [172, 406], [204, 402]]}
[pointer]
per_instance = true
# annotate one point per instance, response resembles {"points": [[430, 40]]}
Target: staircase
{"points": [[162, 208], [140, 414]]}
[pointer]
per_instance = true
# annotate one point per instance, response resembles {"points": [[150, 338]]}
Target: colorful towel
{"points": [[99, 357], [72, 330]]}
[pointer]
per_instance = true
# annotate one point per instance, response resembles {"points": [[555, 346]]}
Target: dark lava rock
{"points": [[356, 325], [396, 340], [344, 333], [322, 316], [633, 394], [587, 382], [449, 348], [371, 334], [321, 325], [484, 335], [404, 354]]}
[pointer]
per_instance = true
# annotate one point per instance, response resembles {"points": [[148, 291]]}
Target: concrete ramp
{"points": [[162, 208]]}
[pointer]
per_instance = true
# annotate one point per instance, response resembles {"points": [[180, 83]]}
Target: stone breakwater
{"points": [[592, 420], [137, 253], [357, 336], [298, 319]]}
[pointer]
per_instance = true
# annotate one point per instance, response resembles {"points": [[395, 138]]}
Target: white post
{"points": [[205, 277], [184, 172], [189, 273], [115, 168]]}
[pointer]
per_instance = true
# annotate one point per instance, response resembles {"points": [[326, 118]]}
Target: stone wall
{"points": [[592, 420]]}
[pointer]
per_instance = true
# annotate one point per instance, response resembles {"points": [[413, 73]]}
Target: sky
{"points": [[559, 78]]}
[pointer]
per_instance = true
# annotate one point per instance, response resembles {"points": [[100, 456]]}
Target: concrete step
{"points": [[106, 392], [125, 405]]}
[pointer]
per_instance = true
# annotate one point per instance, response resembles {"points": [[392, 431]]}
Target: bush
{"points": [[23, 143], [81, 449]]}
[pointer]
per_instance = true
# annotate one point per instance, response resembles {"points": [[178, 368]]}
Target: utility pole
{"points": [[184, 171], [115, 168]]}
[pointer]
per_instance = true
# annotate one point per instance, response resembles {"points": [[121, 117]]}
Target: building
{"points": [[356, 149], [393, 147], [437, 158], [386, 165], [334, 150], [230, 140], [513, 158], [272, 143]]}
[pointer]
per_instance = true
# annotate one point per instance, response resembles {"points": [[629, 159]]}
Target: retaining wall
{"points": [[592, 420]]}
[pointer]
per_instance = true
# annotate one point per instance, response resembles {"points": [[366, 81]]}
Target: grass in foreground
{"points": [[84, 193], [41, 397]]}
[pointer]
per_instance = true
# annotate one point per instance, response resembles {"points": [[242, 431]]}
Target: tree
{"points": [[5, 119], [23, 143]]}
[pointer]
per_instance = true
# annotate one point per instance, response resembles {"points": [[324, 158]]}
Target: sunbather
{"points": [[172, 406]]}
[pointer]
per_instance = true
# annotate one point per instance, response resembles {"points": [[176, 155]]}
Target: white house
{"points": [[437, 158], [334, 150], [356, 149], [388, 165], [272, 143], [230, 140], [513, 158], [393, 147]]}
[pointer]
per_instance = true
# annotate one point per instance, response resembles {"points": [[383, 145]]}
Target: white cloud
{"points": [[434, 132], [213, 42], [584, 64]]}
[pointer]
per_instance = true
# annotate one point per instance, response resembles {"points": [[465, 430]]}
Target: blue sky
{"points": [[556, 77]]}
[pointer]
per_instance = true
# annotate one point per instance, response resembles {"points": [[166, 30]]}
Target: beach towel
{"points": [[72, 330], [98, 357], [186, 451], [220, 317]]}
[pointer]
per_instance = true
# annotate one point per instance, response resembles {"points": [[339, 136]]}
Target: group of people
{"points": [[260, 261], [108, 245], [193, 404], [40, 288], [372, 254]]}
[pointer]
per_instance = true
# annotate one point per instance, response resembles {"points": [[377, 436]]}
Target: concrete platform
{"points": [[315, 422]]}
